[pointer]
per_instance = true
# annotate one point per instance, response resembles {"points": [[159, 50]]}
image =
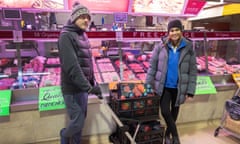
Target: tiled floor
{"points": [[203, 133], [190, 133]]}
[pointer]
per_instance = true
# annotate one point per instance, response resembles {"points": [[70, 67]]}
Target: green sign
{"points": [[50, 98], [5, 99], [205, 86]]}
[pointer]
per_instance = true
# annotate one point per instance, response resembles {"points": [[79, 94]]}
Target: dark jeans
{"points": [[76, 106], [169, 110]]}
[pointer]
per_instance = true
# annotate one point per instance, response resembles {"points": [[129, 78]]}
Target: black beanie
{"points": [[175, 23]]}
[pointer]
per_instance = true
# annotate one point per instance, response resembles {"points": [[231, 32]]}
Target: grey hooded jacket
{"points": [[187, 73]]}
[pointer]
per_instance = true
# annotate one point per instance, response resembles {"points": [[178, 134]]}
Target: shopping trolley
{"points": [[132, 122], [230, 121], [104, 99]]}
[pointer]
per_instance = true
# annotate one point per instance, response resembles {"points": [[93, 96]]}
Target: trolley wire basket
{"points": [[230, 121]]}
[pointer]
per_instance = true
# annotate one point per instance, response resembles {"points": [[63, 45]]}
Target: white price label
{"points": [[119, 36], [17, 36]]}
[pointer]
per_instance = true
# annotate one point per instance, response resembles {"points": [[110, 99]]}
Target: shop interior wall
{"points": [[224, 23], [158, 22], [29, 18], [234, 23], [212, 26], [139, 22], [227, 49]]}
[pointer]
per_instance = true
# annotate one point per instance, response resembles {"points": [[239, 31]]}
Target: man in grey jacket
{"points": [[172, 73], [77, 79]]}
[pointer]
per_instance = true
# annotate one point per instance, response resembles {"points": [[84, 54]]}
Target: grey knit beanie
{"points": [[79, 10], [175, 23]]}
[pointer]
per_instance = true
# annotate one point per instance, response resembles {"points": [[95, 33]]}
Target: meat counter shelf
{"points": [[111, 35]]}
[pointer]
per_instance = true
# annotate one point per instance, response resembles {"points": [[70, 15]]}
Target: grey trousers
{"points": [[76, 106]]}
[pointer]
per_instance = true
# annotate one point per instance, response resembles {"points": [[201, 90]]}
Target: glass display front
{"points": [[223, 56], [114, 60]]}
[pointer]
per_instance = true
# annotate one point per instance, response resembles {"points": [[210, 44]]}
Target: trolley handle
{"points": [[119, 123], [237, 92]]}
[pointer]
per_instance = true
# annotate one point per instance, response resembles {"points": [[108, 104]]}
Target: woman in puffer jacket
{"points": [[172, 74]]}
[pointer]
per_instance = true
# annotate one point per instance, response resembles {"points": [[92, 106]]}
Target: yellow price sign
{"points": [[236, 78]]}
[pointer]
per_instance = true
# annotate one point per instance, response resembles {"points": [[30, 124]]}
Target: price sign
{"points": [[205, 86], [5, 99], [50, 98], [194, 6], [119, 36], [236, 78], [17, 36]]}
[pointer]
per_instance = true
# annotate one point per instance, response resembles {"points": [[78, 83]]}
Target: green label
{"points": [[205, 86], [50, 98], [5, 99]]}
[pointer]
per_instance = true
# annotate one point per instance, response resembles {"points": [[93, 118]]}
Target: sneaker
{"points": [[64, 140]]}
